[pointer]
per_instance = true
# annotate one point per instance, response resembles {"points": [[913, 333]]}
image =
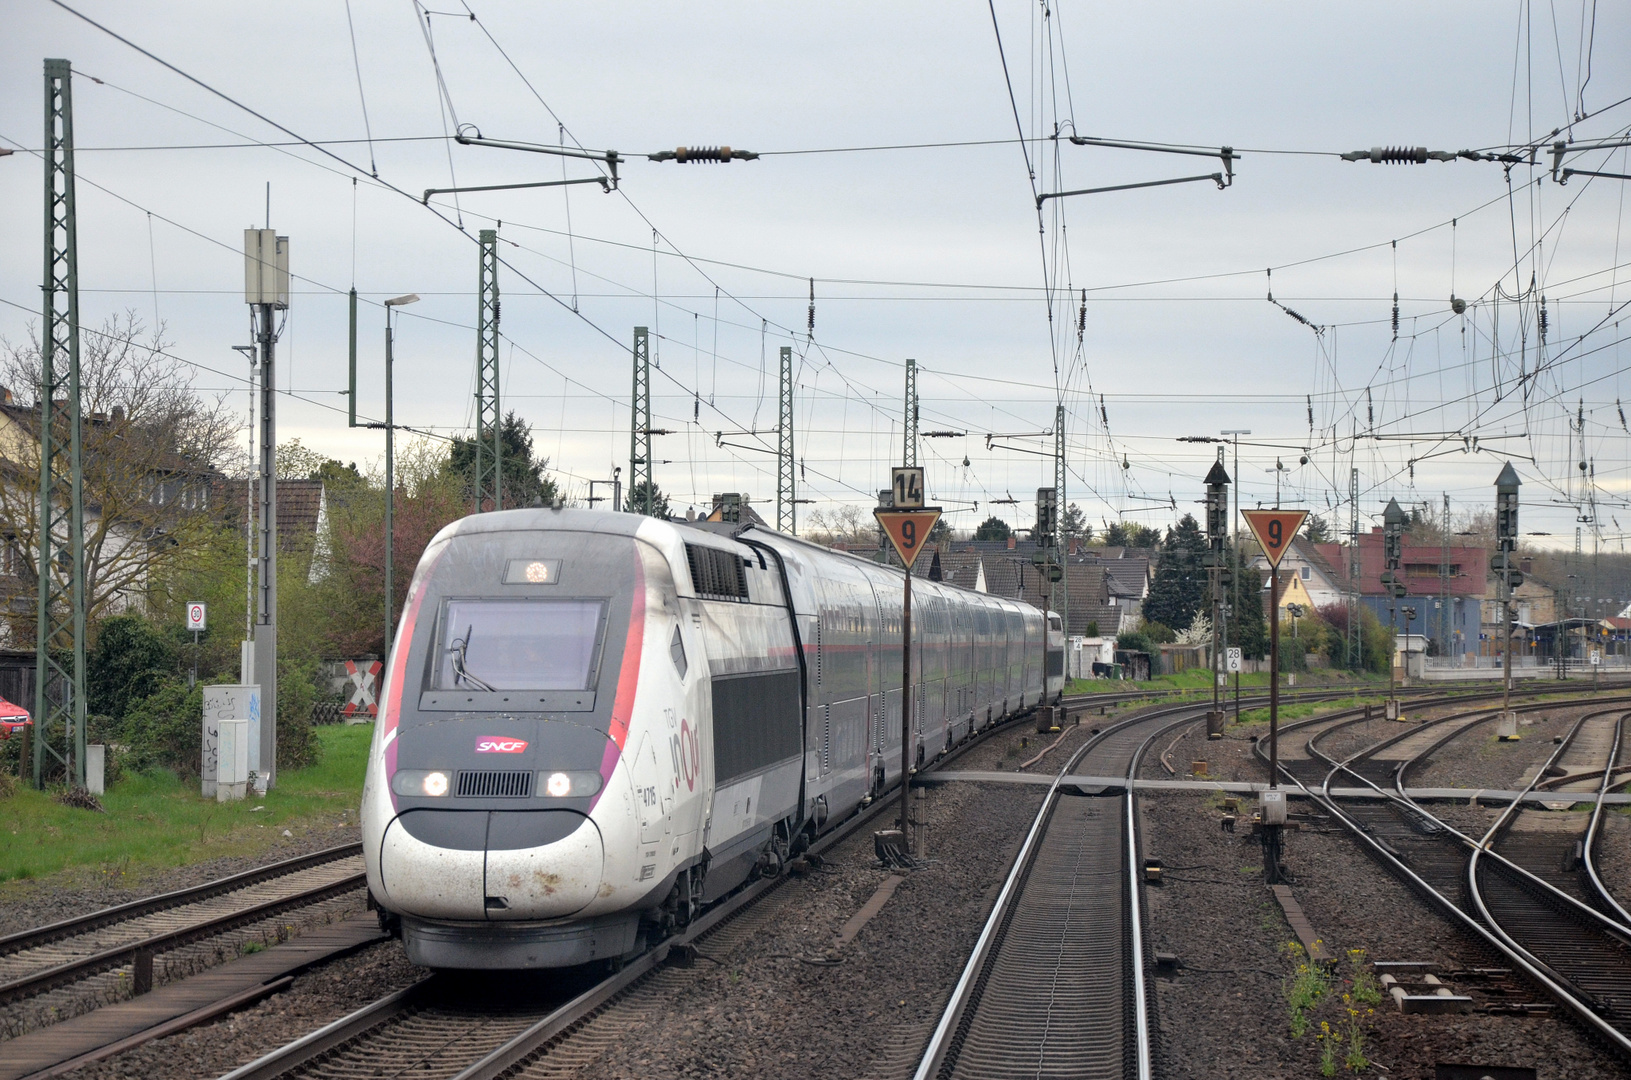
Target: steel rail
{"points": [[1588, 853], [562, 1019], [79, 924], [1456, 914], [1540, 973], [1401, 797], [72, 970], [952, 1019]]}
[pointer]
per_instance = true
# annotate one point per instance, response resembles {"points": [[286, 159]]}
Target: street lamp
{"points": [[1234, 558], [1217, 528], [390, 471]]}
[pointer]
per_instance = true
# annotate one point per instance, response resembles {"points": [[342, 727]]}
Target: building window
{"points": [[1307, 573]]}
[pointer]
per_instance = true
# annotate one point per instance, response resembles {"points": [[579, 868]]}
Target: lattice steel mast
{"points": [[489, 420], [59, 658], [1062, 588], [908, 455], [1356, 637], [786, 508], [640, 422]]}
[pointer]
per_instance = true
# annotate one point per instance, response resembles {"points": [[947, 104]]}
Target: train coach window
{"points": [[676, 651], [519, 644]]}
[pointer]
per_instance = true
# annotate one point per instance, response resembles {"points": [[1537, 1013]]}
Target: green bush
{"points": [[130, 660], [1158, 633], [164, 729], [297, 745]]}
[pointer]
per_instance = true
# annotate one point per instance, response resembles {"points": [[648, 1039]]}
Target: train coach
{"points": [[595, 723]]}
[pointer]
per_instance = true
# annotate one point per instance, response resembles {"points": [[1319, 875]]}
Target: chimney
{"points": [[5, 396], [1527, 565], [1012, 542], [118, 414]]}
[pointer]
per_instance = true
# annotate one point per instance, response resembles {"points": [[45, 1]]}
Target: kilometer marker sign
{"points": [[1274, 530], [908, 530]]}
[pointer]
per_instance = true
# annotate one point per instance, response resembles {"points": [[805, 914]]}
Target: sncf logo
{"points": [[492, 744]]}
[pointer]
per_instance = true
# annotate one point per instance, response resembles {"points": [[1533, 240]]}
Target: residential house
{"points": [[136, 492], [1320, 584], [1445, 589]]}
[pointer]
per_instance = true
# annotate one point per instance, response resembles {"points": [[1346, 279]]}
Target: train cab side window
{"points": [[676, 650]]}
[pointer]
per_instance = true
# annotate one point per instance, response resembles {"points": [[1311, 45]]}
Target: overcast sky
{"points": [[932, 253]]}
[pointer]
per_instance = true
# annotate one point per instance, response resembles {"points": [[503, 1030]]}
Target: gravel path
{"points": [[1479, 759], [1225, 1014]]}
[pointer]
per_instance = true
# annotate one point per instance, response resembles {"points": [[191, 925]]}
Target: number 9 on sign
{"points": [[1276, 533], [908, 534]]}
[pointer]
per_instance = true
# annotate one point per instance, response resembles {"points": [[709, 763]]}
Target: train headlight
{"points": [[568, 785], [424, 782]]}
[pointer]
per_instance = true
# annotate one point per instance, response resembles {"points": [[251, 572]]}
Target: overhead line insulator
{"points": [[1400, 155], [686, 154]]}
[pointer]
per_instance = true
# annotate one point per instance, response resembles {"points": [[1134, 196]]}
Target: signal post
{"points": [[1274, 530], [907, 523]]}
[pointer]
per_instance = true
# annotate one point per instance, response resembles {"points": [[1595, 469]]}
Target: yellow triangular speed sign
{"points": [[908, 530], [1274, 530]]}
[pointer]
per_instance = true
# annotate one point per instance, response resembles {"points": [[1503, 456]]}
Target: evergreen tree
{"points": [[1318, 530], [1248, 629], [525, 481], [1075, 524], [636, 502], [993, 528], [1180, 586]]}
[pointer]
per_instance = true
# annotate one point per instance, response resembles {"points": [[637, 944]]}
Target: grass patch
{"points": [[1199, 681], [1294, 710], [155, 820]]}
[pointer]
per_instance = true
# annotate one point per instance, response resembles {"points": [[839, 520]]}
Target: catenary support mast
{"points": [[640, 424], [59, 658], [786, 508], [489, 446]]}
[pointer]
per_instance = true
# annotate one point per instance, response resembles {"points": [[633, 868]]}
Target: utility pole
{"points": [[59, 654], [640, 421], [786, 506], [266, 290], [489, 478], [390, 474]]}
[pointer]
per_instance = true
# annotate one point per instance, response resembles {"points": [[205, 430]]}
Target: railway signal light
{"points": [[1047, 515], [1506, 508], [1393, 533]]}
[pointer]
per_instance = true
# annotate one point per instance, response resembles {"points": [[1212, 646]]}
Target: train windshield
{"points": [[519, 644]]}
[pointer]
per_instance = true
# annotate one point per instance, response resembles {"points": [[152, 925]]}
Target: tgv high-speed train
{"points": [[595, 723]]}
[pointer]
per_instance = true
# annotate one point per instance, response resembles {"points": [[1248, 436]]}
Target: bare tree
{"points": [[151, 445]]}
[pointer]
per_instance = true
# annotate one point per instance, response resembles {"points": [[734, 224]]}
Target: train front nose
{"points": [[491, 864]]}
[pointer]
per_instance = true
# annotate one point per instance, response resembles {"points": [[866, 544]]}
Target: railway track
{"points": [[1056, 984], [1570, 944], [43, 959], [447, 1026]]}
